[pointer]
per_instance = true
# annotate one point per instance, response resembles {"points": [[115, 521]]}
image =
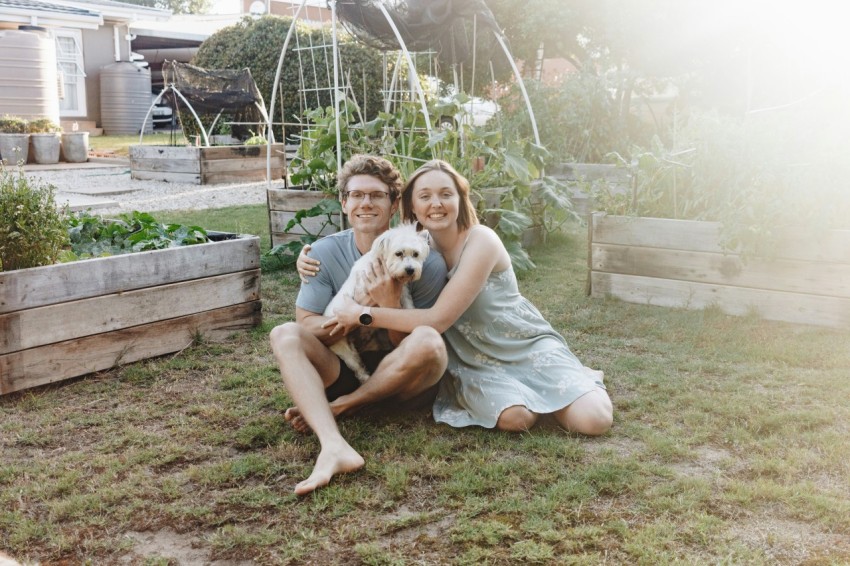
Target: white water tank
{"points": [[29, 87], [125, 97]]}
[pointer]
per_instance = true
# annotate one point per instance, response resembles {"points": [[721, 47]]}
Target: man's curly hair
{"points": [[373, 165]]}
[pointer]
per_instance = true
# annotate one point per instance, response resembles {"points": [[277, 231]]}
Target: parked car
{"points": [[162, 114], [473, 111]]}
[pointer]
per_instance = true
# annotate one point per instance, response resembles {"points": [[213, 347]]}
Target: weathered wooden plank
{"points": [[239, 177], [280, 219], [817, 278], [51, 284], [64, 321], [237, 165], [72, 358], [241, 151], [795, 243], [166, 177], [656, 233], [166, 165], [771, 305], [164, 152], [283, 238], [289, 199]]}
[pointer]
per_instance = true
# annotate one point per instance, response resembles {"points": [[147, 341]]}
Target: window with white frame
{"points": [[72, 77]]}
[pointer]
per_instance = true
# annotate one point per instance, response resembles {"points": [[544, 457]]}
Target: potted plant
{"points": [[75, 145], [14, 140], [45, 137]]}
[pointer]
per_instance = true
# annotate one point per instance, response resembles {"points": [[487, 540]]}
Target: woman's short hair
{"points": [[466, 211], [373, 165]]}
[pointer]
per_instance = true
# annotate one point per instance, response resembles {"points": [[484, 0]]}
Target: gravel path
{"points": [[108, 189]]}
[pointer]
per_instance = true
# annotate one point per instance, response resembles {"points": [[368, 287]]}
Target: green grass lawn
{"points": [[120, 144], [729, 447]]}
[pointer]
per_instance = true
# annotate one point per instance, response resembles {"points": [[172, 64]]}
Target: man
{"points": [[402, 366]]}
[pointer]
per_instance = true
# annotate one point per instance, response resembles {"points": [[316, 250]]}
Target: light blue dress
{"points": [[502, 352]]}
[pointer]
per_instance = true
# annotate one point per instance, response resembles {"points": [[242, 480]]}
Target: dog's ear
{"points": [[379, 248]]}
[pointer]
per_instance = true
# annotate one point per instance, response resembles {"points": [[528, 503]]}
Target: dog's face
{"points": [[403, 252]]}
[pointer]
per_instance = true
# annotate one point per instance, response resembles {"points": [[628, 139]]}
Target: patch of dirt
{"points": [[708, 463], [791, 542], [182, 549]]}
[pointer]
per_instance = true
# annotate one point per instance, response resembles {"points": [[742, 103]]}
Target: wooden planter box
{"points": [[285, 203], [678, 263], [205, 165], [62, 321]]}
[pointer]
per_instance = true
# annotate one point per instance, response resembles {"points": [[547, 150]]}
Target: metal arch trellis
{"points": [[419, 91]]}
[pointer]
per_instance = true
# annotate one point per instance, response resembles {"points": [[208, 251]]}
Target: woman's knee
{"points": [[516, 419], [591, 414]]}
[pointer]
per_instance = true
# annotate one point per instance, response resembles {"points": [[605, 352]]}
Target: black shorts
{"points": [[347, 381]]}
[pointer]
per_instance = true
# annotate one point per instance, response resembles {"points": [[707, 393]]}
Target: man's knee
{"points": [[285, 338], [428, 344]]}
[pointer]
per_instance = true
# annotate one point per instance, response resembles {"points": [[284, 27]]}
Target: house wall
{"points": [[99, 51]]}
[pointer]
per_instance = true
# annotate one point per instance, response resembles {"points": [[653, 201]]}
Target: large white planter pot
{"points": [[14, 148], [45, 147], [75, 147]]}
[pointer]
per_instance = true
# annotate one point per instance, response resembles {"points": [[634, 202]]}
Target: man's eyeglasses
{"points": [[376, 197]]}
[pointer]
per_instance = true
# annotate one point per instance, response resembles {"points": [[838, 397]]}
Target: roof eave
{"points": [[29, 17]]}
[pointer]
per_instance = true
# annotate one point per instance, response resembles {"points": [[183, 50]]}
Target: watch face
{"points": [[365, 319]]}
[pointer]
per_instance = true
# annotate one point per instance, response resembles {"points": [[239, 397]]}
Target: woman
{"points": [[507, 365]]}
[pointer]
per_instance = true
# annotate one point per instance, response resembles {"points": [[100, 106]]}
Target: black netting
{"points": [[424, 25], [212, 91]]}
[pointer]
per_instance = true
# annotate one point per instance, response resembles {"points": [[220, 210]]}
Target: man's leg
{"points": [[410, 369], [303, 361]]}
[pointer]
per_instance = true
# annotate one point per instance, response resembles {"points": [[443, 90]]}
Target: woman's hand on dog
{"points": [[306, 265], [381, 289]]}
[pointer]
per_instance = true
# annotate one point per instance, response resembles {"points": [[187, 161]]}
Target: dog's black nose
{"points": [[409, 270]]}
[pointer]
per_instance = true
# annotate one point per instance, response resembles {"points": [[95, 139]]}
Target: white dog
{"points": [[402, 251]]}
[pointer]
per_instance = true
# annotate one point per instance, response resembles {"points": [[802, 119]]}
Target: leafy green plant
{"points": [[92, 236], [756, 177], [287, 253], [314, 166], [32, 230], [12, 125], [44, 126]]}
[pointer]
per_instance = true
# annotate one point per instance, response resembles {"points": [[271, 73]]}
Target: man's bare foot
{"points": [[296, 421], [595, 374], [331, 461]]}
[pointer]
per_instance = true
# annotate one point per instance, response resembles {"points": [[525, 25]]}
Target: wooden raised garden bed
{"points": [[678, 263], [205, 165], [284, 204], [65, 320]]}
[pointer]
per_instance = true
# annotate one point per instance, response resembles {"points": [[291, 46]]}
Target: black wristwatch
{"points": [[366, 316]]}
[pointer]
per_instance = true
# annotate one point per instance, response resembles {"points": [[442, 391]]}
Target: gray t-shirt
{"points": [[338, 253]]}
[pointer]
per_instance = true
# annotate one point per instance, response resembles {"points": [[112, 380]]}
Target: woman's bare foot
{"points": [[331, 461]]}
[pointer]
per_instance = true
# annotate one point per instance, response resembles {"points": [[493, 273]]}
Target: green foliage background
{"points": [[256, 44]]}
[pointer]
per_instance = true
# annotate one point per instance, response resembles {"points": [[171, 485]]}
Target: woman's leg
{"points": [[516, 419], [591, 414]]}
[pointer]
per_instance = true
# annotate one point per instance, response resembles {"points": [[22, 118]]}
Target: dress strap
{"points": [[463, 249]]}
